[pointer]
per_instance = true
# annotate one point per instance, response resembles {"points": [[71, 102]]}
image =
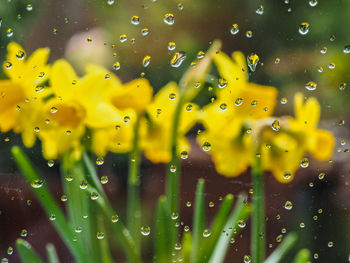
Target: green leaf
{"points": [[207, 244], [121, 233], [51, 254], [286, 245], [78, 203], [50, 206], [186, 246], [303, 256], [198, 218], [162, 242], [240, 212], [26, 253]]}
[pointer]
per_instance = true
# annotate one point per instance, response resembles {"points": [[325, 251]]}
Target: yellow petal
{"points": [[234, 71], [258, 101], [307, 113], [323, 147], [64, 80], [136, 94], [11, 95]]}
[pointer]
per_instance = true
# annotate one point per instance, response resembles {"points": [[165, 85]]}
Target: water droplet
{"points": [[287, 175], [39, 89], [169, 19], [304, 28], [241, 223], [343, 86], [211, 204], [330, 244], [238, 101], [144, 31], [311, 85], [189, 107], [20, 55], [279, 238], [188, 204], [249, 34], [37, 183], [331, 65], [100, 160], [177, 246], [94, 196], [284, 100], [186, 228], [115, 218], [346, 49], [206, 233], [313, 3], [146, 61], [180, 6], [83, 185], [276, 125], [123, 38], [223, 106], [8, 65], [288, 205], [234, 29], [64, 198], [304, 163], [277, 60], [52, 217], [174, 215], [89, 39], [4, 260], [252, 61], [145, 230], [110, 2], [247, 259], [24, 233], [184, 155], [172, 168], [171, 46], [177, 59], [9, 32], [332, 38], [10, 250], [222, 83], [100, 235], [172, 96], [50, 163], [260, 10], [200, 54], [135, 20], [206, 146], [116, 66], [104, 179]]}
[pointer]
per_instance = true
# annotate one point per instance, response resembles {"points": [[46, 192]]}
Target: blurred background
{"points": [[94, 31]]}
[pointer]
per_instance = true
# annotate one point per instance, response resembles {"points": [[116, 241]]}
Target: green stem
{"points": [[173, 178], [258, 215], [133, 202]]}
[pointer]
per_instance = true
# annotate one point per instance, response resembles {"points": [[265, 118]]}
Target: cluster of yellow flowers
{"points": [[63, 110]]}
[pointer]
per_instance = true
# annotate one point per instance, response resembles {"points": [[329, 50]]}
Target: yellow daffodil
{"points": [[131, 99], [228, 121], [21, 94], [156, 129], [283, 151], [79, 102]]}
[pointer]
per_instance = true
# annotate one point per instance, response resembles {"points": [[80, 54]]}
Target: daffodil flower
{"points": [[229, 119], [21, 94], [156, 128], [282, 152]]}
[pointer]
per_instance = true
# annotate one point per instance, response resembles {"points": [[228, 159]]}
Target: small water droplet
{"points": [[115, 218], [276, 125], [144, 31], [252, 61], [135, 20], [100, 235], [50, 163], [247, 259], [172, 96], [145, 230], [146, 61], [288, 205], [9, 32], [343, 86], [238, 101], [116, 66], [206, 233], [304, 28], [171, 46], [37, 183], [234, 29], [313, 3], [184, 155], [169, 19], [346, 49], [24, 233], [304, 163], [206, 146], [249, 34], [104, 179], [311, 85], [260, 10], [100, 160], [110, 2], [177, 59], [123, 38]]}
